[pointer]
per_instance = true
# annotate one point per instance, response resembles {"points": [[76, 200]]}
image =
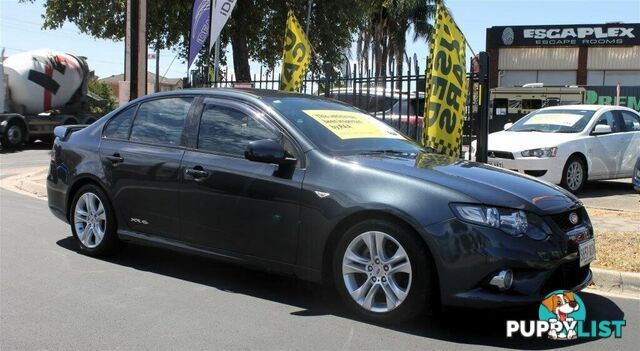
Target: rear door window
{"points": [[161, 121], [119, 126]]}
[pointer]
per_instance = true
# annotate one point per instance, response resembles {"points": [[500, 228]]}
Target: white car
{"points": [[569, 145]]}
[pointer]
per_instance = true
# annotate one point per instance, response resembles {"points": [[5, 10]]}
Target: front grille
{"points": [[565, 277], [500, 154], [562, 219]]}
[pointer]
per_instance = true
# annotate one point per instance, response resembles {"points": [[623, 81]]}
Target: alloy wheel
{"points": [[376, 271], [574, 175], [90, 220]]}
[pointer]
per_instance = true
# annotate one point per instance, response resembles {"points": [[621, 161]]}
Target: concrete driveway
{"points": [[611, 194]]}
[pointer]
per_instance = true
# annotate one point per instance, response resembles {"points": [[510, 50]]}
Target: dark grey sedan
{"points": [[317, 189]]}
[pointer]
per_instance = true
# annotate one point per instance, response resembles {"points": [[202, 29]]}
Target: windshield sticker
{"points": [[558, 119], [352, 125]]}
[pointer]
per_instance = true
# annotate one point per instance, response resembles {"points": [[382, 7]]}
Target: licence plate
{"points": [[497, 164], [587, 251]]}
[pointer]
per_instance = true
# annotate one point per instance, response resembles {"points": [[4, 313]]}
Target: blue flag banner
{"points": [[200, 17]]}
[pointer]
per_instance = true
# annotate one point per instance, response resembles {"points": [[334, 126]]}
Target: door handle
{"points": [[197, 173], [115, 158]]}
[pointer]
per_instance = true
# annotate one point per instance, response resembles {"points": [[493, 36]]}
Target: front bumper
{"points": [[467, 255], [548, 169]]}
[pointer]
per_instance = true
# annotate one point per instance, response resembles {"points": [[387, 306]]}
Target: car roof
{"points": [[586, 107], [255, 93]]}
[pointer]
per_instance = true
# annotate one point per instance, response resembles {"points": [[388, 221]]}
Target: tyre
{"points": [[394, 284], [574, 175], [93, 222], [14, 135]]}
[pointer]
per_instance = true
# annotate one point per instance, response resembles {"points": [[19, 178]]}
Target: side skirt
{"points": [[222, 255]]}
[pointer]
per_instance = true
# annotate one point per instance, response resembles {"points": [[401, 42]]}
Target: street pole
{"points": [[136, 48], [309, 6], [483, 102], [216, 63], [156, 87], [216, 57]]}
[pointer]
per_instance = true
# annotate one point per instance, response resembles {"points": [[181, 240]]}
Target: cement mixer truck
{"points": [[40, 90]]}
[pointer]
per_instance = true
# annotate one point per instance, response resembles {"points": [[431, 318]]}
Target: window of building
{"points": [[625, 78], [520, 78]]}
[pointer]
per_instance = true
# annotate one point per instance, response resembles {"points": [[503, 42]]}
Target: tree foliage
{"points": [[103, 91], [382, 34], [255, 29]]}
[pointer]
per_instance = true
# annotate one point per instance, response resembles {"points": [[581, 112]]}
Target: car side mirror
{"points": [[268, 151], [508, 125], [601, 129]]}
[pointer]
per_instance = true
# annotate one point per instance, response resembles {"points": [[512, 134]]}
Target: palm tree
{"points": [[384, 30], [407, 14]]}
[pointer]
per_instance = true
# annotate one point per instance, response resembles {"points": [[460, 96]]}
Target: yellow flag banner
{"points": [[446, 93], [296, 57]]}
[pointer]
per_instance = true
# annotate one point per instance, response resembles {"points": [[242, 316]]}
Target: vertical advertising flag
{"points": [[446, 93], [199, 27], [219, 17], [296, 57]]}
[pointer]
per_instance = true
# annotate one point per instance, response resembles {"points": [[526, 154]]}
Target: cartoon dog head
{"points": [[561, 304]]}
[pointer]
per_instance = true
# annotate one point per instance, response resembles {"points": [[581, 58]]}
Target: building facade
{"points": [[595, 56]]}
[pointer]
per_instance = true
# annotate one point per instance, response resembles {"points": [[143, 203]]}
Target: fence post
{"points": [[327, 67], [483, 101]]}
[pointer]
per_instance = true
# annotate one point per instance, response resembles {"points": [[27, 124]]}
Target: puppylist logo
{"points": [[562, 316]]}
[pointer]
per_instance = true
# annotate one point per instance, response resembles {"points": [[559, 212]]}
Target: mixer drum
{"points": [[42, 80]]}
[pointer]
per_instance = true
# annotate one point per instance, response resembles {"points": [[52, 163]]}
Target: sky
{"points": [[20, 28]]}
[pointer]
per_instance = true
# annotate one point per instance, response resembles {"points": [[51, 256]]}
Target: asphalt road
{"points": [[52, 297], [14, 162]]}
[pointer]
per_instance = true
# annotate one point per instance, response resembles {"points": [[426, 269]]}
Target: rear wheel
{"points": [[93, 222], [382, 272], [574, 175], [14, 135]]}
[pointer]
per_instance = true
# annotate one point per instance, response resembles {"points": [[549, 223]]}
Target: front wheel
{"points": [[574, 175], [93, 222], [382, 272], [14, 135]]}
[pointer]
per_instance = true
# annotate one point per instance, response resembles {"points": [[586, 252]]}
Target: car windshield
{"points": [[554, 121], [340, 129]]}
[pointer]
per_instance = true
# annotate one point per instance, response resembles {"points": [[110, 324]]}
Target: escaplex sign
{"points": [[567, 35]]}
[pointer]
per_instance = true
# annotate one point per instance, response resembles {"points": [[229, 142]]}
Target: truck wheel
{"points": [[14, 135]]}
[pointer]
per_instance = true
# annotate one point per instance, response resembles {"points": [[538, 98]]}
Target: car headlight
{"points": [[511, 221], [543, 152]]}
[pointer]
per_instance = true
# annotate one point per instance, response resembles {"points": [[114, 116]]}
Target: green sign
{"points": [[607, 96]]}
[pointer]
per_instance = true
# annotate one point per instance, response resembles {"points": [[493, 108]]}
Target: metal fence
{"points": [[396, 99]]}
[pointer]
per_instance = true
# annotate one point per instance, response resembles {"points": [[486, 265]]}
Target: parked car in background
{"points": [[401, 110], [317, 189], [569, 145]]}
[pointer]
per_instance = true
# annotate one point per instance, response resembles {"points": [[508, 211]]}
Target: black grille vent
{"points": [[562, 219], [500, 154]]}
